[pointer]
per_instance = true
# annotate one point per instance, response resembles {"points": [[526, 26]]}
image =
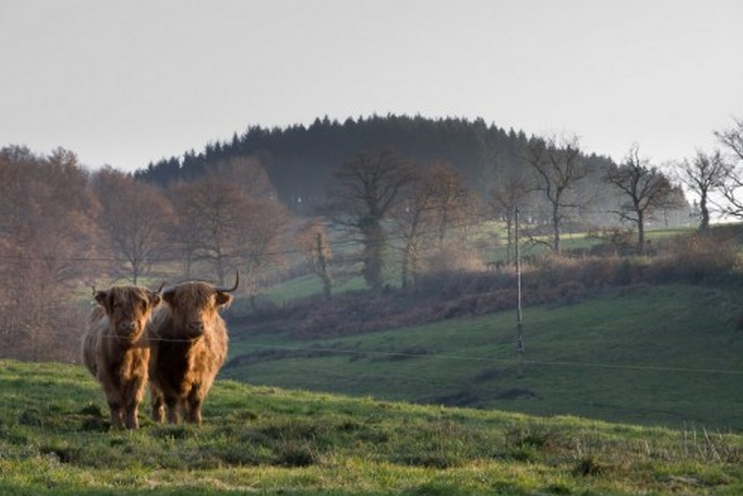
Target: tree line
{"points": [[64, 229], [300, 160]]}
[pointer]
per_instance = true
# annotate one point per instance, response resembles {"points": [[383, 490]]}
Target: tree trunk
{"points": [[327, 280], [404, 268], [704, 225], [556, 242], [373, 257], [509, 242]]}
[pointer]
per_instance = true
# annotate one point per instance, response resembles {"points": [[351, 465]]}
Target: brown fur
{"points": [[115, 349], [189, 346]]}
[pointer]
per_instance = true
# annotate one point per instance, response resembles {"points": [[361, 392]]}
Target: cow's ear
{"points": [[223, 299], [154, 298], [168, 296], [102, 298]]}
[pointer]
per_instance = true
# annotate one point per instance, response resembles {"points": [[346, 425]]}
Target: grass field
{"points": [[654, 355], [55, 440]]}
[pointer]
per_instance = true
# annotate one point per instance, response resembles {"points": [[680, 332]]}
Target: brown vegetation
{"points": [[63, 229], [135, 218], [46, 232], [708, 258]]}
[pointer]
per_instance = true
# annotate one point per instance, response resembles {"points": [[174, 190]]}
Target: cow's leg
{"points": [[172, 404], [132, 421], [194, 402], [116, 414], [158, 405], [194, 409]]}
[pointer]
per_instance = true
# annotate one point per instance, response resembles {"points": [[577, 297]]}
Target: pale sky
{"points": [[126, 83]]}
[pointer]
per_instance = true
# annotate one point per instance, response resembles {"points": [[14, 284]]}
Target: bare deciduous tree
{"points": [[136, 217], [364, 192], [704, 175], [436, 204], [248, 175], [210, 215], [454, 202], [227, 219], [262, 226], [558, 165], [314, 245], [509, 195], [47, 231], [414, 222], [646, 188], [732, 140]]}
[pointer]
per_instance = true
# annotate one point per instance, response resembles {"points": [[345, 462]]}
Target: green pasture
{"points": [[655, 355], [55, 440]]}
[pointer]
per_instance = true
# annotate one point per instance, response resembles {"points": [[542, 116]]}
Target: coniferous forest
{"points": [[300, 160]]}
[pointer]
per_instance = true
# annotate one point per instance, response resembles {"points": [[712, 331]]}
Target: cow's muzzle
{"points": [[128, 329], [196, 328]]}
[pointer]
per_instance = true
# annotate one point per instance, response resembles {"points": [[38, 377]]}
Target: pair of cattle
{"points": [[178, 346]]}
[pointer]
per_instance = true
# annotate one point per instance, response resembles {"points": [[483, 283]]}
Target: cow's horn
{"points": [[233, 288], [163, 290]]}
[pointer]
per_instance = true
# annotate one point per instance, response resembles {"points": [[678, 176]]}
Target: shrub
{"points": [[613, 241], [698, 257], [453, 257], [547, 278]]}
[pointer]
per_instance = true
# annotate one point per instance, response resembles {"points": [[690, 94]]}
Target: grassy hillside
{"points": [[54, 440], [656, 355]]}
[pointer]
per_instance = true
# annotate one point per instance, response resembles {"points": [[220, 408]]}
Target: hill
{"points": [[665, 354], [300, 159], [54, 439]]}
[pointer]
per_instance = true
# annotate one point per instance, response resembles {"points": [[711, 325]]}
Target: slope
{"points": [[667, 354], [54, 439]]}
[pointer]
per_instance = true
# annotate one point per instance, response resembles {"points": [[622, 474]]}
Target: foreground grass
{"points": [[55, 439]]}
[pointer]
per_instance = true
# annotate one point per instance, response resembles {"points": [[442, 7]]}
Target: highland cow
{"points": [[189, 345], [115, 349]]}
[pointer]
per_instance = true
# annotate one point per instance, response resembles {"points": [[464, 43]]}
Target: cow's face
{"points": [[194, 306], [128, 309]]}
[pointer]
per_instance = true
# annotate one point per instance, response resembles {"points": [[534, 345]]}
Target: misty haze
{"points": [[371, 248]]}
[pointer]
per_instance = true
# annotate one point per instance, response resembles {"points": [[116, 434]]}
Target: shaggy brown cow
{"points": [[189, 345], [115, 349]]}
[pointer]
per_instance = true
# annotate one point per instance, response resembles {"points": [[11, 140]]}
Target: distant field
{"points": [[310, 285], [306, 286], [55, 440], [665, 355], [579, 241]]}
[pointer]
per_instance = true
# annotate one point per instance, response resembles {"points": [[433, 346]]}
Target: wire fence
{"points": [[355, 352], [497, 361], [46, 341], [391, 240], [386, 374]]}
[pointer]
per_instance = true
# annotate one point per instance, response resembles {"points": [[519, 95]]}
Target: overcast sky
{"points": [[126, 83]]}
